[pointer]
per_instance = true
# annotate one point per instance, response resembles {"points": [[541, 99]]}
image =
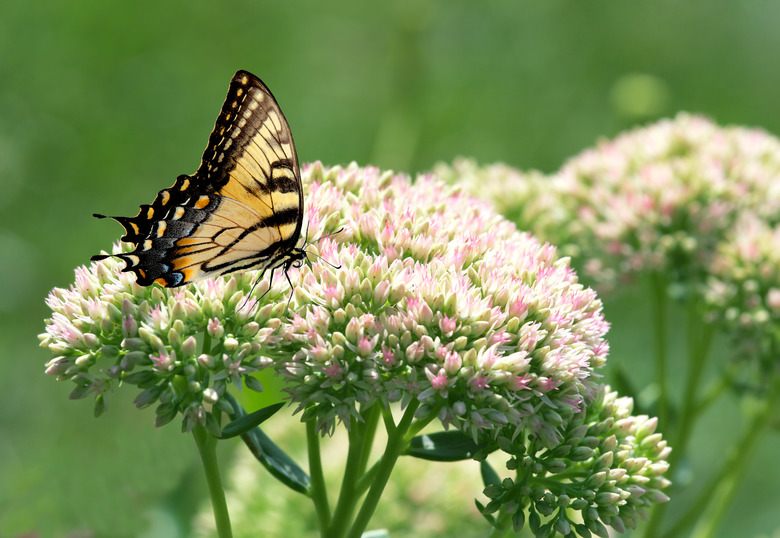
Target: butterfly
{"points": [[241, 210]]}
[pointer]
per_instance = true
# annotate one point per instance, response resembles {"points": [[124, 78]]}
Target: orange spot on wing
{"points": [[178, 263], [161, 281], [202, 202], [188, 274]]}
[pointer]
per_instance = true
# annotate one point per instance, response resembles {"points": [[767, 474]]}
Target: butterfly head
{"points": [[296, 257]]}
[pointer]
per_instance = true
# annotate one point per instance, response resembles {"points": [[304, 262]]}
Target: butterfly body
{"points": [[241, 210]]}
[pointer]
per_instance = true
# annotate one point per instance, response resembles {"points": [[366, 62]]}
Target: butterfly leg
{"points": [[252, 290], [292, 290], [270, 282]]}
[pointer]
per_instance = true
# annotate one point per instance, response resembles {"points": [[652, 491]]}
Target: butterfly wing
{"points": [[242, 209]]}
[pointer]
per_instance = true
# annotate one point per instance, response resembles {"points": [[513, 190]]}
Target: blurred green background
{"points": [[104, 103]]}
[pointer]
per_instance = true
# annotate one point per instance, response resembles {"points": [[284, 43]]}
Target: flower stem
{"points": [[369, 431], [207, 448], [349, 494], [726, 483], [699, 340], [396, 442], [658, 285], [505, 525], [319, 494]]}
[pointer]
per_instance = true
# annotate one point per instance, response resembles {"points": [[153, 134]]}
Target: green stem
{"points": [[658, 285], [421, 423], [206, 342], [369, 431], [699, 341], [726, 484], [207, 448], [349, 494], [504, 525], [367, 479], [319, 493], [715, 390], [396, 442], [700, 338]]}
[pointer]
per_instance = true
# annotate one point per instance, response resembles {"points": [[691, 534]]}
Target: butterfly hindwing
{"points": [[242, 209]]}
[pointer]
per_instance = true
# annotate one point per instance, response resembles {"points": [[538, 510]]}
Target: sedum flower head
{"points": [[658, 198], [178, 346], [531, 200], [743, 289], [438, 300], [663, 197], [435, 298], [608, 470]]}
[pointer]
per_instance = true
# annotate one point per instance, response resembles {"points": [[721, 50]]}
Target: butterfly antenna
{"points": [[326, 261], [331, 234], [320, 239]]}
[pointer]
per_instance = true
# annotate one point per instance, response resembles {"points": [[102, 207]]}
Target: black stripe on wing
{"points": [[237, 126]]}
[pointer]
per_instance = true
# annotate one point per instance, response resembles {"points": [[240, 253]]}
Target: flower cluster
{"points": [[743, 289], [660, 198], [694, 202], [613, 464], [531, 200], [106, 330], [439, 300], [426, 296]]}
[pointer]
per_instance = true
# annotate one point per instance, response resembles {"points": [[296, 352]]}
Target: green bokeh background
{"points": [[104, 103]]}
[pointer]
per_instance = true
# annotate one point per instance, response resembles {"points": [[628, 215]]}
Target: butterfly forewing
{"points": [[242, 209]]}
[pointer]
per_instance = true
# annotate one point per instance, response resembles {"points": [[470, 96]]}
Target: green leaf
{"points": [[148, 396], [165, 413], [582, 530], [489, 475], [443, 446], [100, 405], [273, 458], [79, 392], [212, 425], [487, 515], [247, 422], [518, 520], [534, 521], [143, 379]]}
